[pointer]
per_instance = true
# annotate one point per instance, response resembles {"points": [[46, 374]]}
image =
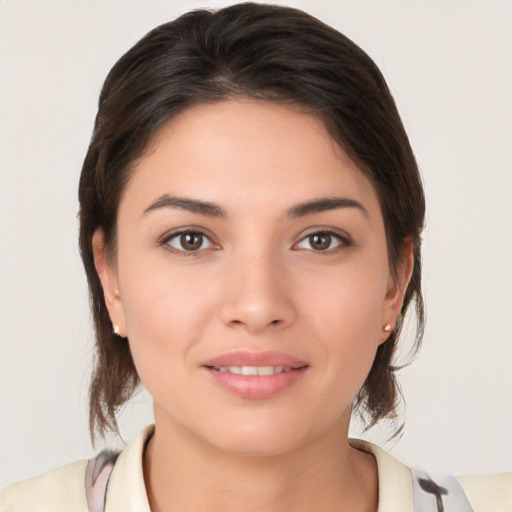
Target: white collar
{"points": [[395, 482], [127, 491]]}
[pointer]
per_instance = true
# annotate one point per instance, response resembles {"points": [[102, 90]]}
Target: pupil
{"points": [[191, 241], [321, 242]]}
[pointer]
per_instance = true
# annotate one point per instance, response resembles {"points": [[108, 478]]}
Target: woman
{"points": [[250, 213]]}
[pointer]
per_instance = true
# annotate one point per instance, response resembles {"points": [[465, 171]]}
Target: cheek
{"points": [[350, 301], [166, 315], [346, 312]]}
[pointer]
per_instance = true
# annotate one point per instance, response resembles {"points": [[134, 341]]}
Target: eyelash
{"points": [[343, 241], [165, 242]]}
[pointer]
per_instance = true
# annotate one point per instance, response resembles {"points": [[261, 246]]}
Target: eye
{"points": [[189, 241], [322, 241]]}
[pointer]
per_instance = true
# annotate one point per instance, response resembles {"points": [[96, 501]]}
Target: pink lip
{"points": [[256, 386], [255, 358]]}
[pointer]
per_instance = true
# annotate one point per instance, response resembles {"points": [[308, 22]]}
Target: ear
{"points": [[108, 276], [397, 286]]}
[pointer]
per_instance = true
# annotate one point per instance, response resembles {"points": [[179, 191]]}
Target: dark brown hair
{"points": [[267, 52]]}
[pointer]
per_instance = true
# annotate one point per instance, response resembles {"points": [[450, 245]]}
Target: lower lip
{"points": [[256, 386]]}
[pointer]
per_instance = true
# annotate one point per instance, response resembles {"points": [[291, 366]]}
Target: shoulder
{"points": [[60, 489], [398, 489], [488, 493], [64, 489]]}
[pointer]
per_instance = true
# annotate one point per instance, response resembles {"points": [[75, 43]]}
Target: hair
{"points": [[256, 51]]}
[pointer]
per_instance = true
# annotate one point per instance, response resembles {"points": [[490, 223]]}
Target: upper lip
{"points": [[255, 358]]}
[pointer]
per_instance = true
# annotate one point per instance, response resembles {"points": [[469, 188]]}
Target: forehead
{"points": [[244, 149]]}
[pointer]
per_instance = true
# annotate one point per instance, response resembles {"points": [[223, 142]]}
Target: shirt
{"points": [[63, 489]]}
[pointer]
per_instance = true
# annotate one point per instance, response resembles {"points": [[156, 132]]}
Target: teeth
{"points": [[253, 370], [247, 370]]}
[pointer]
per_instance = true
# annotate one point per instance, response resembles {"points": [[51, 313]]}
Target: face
{"points": [[251, 277]]}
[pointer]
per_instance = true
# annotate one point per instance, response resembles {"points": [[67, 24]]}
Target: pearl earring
{"points": [[115, 330], [387, 328]]}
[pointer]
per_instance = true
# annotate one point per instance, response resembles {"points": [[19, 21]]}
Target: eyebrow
{"points": [[208, 209], [324, 204], [184, 203]]}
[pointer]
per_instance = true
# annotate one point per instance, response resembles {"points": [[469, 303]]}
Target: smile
{"points": [[255, 374], [253, 370]]}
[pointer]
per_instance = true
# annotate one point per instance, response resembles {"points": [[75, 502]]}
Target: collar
{"points": [[395, 482], [127, 491]]}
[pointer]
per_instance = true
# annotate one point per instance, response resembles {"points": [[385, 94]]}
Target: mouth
{"points": [[255, 375], [252, 370], [249, 360]]}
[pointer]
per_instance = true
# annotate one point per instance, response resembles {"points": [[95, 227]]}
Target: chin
{"points": [[258, 444], [261, 436]]}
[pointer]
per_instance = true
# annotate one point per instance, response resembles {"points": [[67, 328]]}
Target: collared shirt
{"points": [[63, 489]]}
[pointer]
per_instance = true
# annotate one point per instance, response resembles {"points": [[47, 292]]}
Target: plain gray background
{"points": [[448, 64]]}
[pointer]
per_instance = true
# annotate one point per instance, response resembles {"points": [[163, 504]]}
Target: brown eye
{"points": [[189, 241], [321, 241]]}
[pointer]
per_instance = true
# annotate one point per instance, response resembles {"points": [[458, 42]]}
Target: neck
{"points": [[184, 473]]}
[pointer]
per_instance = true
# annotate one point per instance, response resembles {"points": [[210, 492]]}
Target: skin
{"points": [[258, 282]]}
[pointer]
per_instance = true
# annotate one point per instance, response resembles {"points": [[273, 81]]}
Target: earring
{"points": [[115, 330], [387, 328]]}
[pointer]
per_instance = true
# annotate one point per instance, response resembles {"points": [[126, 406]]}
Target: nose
{"points": [[259, 296]]}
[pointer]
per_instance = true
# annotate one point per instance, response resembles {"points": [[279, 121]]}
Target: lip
{"points": [[255, 386], [255, 358]]}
